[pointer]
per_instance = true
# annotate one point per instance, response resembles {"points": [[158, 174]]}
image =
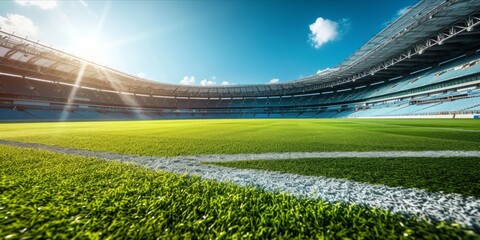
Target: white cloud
{"points": [[206, 82], [403, 11], [43, 4], [18, 24], [273, 81], [326, 70], [323, 70], [345, 25], [141, 75], [188, 80], [398, 14], [83, 3], [323, 31]]}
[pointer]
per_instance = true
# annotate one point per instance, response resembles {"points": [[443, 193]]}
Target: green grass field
{"points": [[45, 195], [190, 137], [48, 195]]}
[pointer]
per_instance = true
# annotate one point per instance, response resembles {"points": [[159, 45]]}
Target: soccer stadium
{"points": [[384, 145]]}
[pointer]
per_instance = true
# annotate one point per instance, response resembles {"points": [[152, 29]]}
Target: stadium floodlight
{"points": [[469, 28]]}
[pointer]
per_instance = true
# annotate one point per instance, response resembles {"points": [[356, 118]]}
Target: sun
{"points": [[90, 47]]}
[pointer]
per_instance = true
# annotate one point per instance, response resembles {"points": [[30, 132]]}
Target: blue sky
{"points": [[205, 42]]}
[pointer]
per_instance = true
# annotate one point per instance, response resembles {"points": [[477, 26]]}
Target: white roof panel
{"points": [[44, 62], [88, 73], [21, 56], [64, 68], [3, 51]]}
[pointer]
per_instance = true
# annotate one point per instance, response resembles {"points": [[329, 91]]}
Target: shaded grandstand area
{"points": [[450, 88]]}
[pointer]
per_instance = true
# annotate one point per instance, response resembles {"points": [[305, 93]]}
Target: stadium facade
{"points": [[426, 63]]}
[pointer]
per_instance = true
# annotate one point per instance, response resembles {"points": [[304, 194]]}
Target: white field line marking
{"points": [[456, 208], [455, 129], [299, 155], [408, 126]]}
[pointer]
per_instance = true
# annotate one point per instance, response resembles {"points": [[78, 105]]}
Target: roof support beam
{"points": [[467, 24], [16, 49]]}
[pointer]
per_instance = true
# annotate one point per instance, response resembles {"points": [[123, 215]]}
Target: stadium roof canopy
{"points": [[432, 31]]}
